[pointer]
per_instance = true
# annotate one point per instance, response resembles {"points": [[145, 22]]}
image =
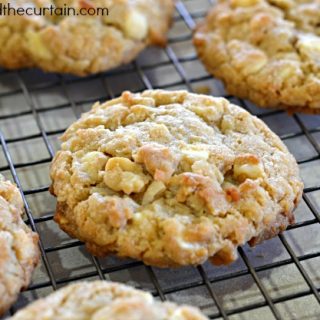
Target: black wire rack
{"points": [[279, 279]]}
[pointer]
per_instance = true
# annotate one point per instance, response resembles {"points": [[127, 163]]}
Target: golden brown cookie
{"points": [[19, 253], [102, 300], [81, 44], [173, 178], [267, 51]]}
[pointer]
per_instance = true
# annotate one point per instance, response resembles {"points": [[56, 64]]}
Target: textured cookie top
{"points": [[18, 246], [266, 51], [172, 178], [102, 300], [82, 44]]}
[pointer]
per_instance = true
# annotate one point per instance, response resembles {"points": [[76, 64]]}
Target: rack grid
{"points": [[280, 279]]}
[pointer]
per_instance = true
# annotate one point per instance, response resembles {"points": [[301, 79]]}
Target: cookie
{"points": [[19, 253], [173, 179], [100, 300], [82, 44], [266, 51]]}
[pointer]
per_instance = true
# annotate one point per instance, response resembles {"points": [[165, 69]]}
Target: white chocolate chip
{"points": [[195, 154], [136, 25], [309, 46], [248, 166], [252, 171]]}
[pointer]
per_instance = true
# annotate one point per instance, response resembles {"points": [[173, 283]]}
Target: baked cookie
{"points": [[101, 300], [19, 253], [81, 44], [173, 178], [267, 51]]}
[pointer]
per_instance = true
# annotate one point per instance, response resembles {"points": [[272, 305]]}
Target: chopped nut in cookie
{"points": [[232, 191], [200, 192], [112, 208], [124, 175], [155, 189], [205, 168], [209, 111], [92, 164], [160, 161], [138, 113], [120, 146]]}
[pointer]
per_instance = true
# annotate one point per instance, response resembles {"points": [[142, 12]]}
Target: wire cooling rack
{"points": [[279, 279]]}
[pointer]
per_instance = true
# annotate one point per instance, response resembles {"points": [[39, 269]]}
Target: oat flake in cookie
{"points": [[19, 253], [80, 44], [101, 300], [173, 178], [267, 51]]}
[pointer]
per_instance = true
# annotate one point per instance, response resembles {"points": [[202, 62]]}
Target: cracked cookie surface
{"points": [[266, 51], [172, 178], [101, 300], [82, 45], [19, 252]]}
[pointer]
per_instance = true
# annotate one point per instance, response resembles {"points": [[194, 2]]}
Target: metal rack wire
{"points": [[250, 288]]}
